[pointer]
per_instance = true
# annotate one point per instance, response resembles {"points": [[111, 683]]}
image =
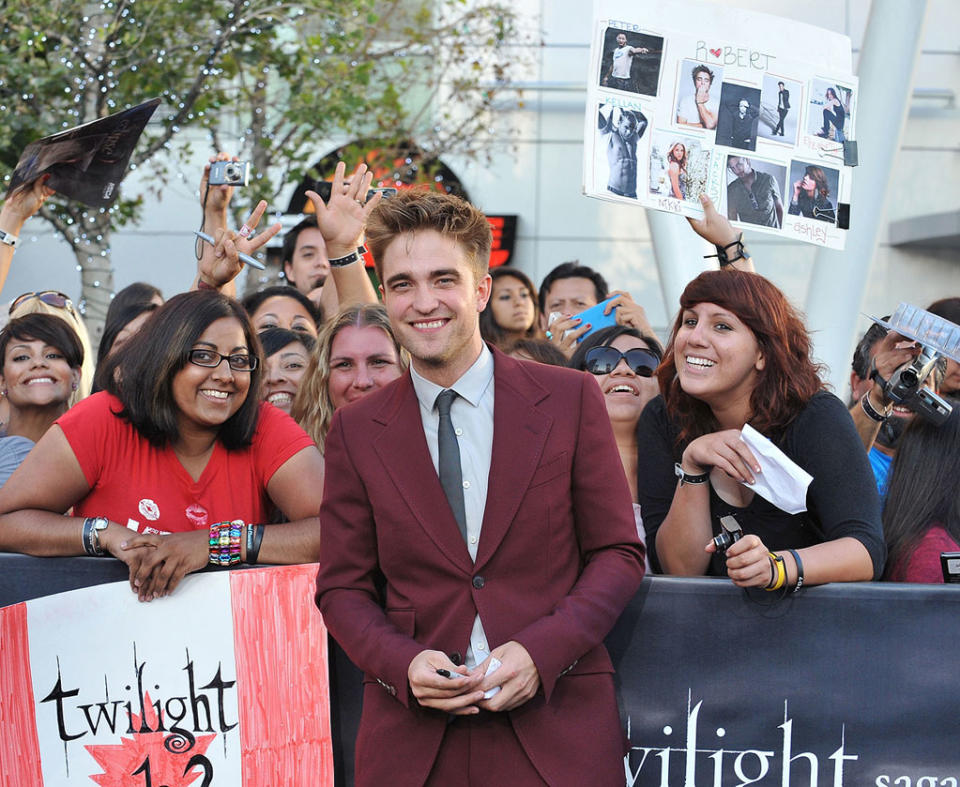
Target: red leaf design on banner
{"points": [[153, 758]]}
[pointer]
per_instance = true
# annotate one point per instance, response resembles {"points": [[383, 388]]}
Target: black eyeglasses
{"points": [[49, 297], [212, 359], [603, 360]]}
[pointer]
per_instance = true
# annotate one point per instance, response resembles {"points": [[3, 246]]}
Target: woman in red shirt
{"points": [[179, 449]]}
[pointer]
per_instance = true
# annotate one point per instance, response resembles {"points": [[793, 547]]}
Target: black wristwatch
{"points": [[686, 478]]}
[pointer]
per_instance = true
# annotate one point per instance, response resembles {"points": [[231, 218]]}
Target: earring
{"points": [[73, 387], [3, 392]]}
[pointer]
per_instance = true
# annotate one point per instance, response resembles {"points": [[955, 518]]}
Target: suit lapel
{"points": [[519, 434], [402, 449]]}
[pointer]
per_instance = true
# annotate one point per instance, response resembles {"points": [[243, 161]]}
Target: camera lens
{"points": [[722, 541], [231, 171]]}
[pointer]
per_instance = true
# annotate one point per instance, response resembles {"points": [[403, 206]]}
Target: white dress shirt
{"points": [[472, 416]]}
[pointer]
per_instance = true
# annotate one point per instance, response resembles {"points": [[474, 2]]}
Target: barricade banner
{"points": [[844, 685], [223, 682]]}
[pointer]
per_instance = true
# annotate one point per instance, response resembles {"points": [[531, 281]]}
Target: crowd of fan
{"points": [[196, 434]]}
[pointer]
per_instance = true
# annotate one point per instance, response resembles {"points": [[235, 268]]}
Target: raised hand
{"points": [[342, 219], [224, 264], [24, 203], [714, 227]]}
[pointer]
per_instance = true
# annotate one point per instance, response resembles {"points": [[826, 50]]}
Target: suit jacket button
{"points": [[478, 582]]}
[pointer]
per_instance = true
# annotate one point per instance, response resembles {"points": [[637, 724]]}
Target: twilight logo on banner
{"points": [[197, 709], [684, 753], [223, 682]]}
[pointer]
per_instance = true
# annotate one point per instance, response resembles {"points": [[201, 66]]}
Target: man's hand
{"points": [[893, 351], [517, 677], [458, 695], [342, 218]]}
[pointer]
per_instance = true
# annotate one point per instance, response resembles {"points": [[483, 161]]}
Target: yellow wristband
{"points": [[781, 572]]}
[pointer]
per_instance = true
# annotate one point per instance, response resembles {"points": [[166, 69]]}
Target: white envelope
{"points": [[780, 480]]}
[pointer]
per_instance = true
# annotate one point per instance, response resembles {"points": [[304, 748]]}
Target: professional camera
{"points": [[229, 173], [937, 337], [730, 533], [906, 387]]}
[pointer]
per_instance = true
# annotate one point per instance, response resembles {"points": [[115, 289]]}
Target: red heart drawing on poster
{"points": [[716, 52]]}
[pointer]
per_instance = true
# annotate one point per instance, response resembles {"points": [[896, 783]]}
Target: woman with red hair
{"points": [[739, 353]]}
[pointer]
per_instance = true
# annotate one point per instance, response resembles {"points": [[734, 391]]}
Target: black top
{"points": [[842, 500]]}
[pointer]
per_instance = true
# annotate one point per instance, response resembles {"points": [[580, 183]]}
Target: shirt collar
{"points": [[471, 386]]}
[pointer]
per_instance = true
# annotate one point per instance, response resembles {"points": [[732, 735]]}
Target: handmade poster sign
{"points": [[692, 98], [223, 682]]}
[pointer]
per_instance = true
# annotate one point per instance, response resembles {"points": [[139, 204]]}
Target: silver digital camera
{"points": [[229, 173]]}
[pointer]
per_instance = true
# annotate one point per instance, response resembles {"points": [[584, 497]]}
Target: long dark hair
{"points": [[126, 306], [924, 485], [489, 328], [789, 378], [820, 179], [140, 374]]}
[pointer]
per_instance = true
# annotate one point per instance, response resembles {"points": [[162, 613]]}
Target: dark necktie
{"points": [[448, 460]]}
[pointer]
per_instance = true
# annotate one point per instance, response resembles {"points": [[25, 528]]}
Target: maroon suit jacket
{"points": [[558, 559]]}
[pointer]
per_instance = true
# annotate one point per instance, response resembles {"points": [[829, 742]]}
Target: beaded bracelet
{"points": [[225, 542]]}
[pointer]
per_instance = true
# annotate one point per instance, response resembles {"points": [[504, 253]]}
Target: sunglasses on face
{"points": [[603, 360], [49, 297]]}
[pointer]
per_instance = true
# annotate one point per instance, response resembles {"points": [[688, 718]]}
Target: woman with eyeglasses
{"points": [[624, 362], [739, 354], [176, 464], [41, 358]]}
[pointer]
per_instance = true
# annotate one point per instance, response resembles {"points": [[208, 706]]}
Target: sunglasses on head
{"points": [[49, 297], [603, 360]]}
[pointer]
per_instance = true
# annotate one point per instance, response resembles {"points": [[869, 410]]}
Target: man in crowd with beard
{"points": [[879, 421]]}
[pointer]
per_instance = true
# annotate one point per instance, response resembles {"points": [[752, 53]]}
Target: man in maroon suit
{"points": [[475, 514]]}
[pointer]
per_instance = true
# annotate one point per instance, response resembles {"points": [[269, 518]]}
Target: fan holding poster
{"points": [[726, 108]]}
